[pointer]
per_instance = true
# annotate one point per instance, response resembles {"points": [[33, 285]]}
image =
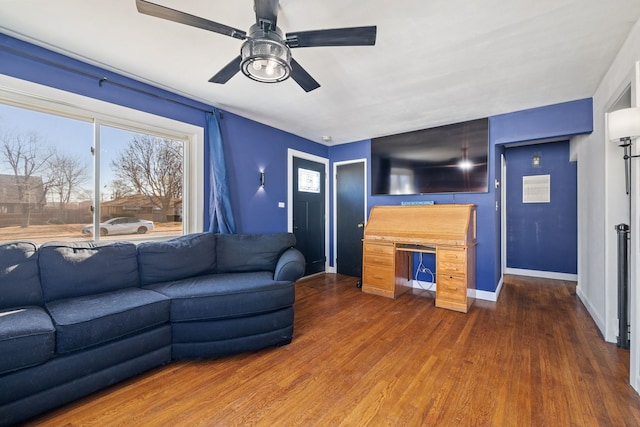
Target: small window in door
{"points": [[308, 181]]}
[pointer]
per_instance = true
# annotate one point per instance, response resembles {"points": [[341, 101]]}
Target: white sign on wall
{"points": [[536, 189]]}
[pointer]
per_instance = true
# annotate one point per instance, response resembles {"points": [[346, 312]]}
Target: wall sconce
{"points": [[261, 179], [536, 160], [624, 125]]}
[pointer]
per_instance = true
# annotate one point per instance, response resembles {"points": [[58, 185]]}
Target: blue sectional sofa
{"points": [[78, 317]]}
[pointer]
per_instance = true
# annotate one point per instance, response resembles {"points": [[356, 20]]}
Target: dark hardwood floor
{"points": [[534, 358]]}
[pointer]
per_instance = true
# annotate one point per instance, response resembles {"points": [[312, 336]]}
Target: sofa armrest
{"points": [[290, 266]]}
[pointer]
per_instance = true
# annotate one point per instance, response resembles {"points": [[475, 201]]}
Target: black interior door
{"points": [[349, 218], [308, 212]]}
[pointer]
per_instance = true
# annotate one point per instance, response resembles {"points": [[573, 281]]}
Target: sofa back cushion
{"points": [[71, 270], [179, 258], [251, 252], [19, 277]]}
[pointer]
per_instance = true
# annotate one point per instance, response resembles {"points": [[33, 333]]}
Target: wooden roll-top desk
{"points": [[393, 233]]}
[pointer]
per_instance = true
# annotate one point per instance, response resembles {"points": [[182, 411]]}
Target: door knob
{"points": [[361, 225]]}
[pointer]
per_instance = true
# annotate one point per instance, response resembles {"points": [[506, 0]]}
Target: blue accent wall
{"points": [[542, 236], [252, 146]]}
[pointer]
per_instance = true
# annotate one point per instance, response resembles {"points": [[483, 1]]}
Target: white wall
{"points": [[602, 202]]}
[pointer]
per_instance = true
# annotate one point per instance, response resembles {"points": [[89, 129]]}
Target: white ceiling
{"points": [[435, 61]]}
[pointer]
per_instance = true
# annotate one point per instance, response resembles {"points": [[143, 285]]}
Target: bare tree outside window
{"points": [[27, 157], [66, 174], [153, 167], [120, 188]]}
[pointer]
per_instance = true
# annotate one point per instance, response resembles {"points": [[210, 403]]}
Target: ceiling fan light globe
{"points": [[265, 60]]}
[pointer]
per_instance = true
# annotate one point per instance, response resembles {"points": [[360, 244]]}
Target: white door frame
{"points": [[335, 203], [503, 216], [634, 247], [291, 153]]}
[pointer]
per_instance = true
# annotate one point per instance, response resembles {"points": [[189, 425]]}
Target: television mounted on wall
{"points": [[444, 159]]}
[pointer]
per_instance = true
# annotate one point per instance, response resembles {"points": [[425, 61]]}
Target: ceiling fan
{"points": [[265, 55]]}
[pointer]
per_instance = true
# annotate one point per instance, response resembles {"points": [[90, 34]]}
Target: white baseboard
{"points": [[425, 286], [489, 296], [542, 274], [594, 314]]}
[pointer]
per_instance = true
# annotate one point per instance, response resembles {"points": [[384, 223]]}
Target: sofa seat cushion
{"points": [[27, 338], [220, 296], [90, 320], [175, 259]]}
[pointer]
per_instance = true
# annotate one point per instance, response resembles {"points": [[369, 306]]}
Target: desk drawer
{"points": [[451, 288], [375, 249], [379, 277], [451, 261], [386, 260]]}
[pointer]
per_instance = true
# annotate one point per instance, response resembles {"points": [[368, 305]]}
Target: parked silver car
{"points": [[121, 225]]}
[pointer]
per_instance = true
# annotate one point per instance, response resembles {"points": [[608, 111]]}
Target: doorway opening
{"points": [[540, 210]]}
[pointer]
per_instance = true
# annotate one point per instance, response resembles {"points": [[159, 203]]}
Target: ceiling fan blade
{"points": [[303, 78], [355, 36], [169, 14], [267, 12], [227, 71]]}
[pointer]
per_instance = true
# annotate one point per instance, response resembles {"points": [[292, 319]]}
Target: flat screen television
{"points": [[444, 159]]}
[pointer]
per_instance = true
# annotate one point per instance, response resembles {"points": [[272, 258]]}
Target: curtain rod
{"points": [[101, 79]]}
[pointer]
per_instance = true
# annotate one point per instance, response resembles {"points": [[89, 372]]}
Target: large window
{"points": [[69, 172], [141, 177]]}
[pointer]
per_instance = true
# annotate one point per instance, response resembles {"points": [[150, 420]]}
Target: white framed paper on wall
{"points": [[536, 189]]}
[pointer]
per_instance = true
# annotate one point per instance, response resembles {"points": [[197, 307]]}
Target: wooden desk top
{"points": [[432, 225]]}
